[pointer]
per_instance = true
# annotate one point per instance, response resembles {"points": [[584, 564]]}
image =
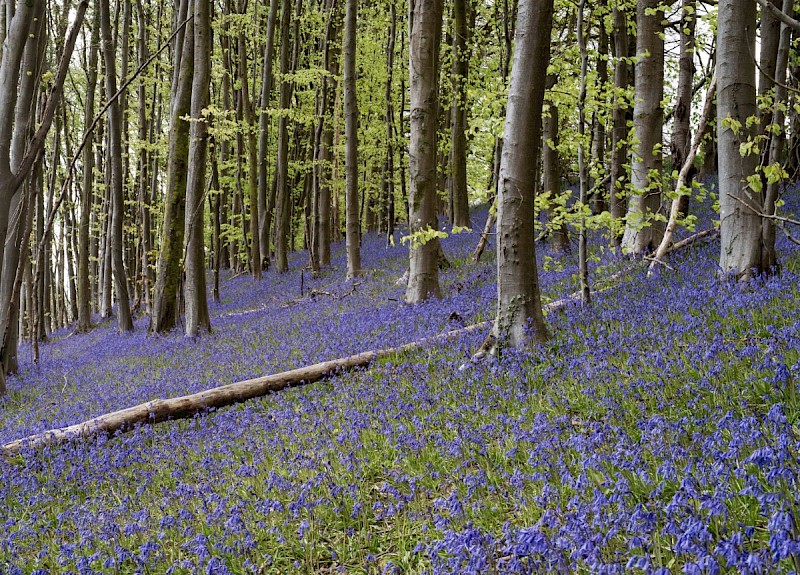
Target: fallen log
{"points": [[159, 410]]}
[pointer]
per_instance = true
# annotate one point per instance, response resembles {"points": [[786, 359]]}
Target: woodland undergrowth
{"points": [[656, 432]]}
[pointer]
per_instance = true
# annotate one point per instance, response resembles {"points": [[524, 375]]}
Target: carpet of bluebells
{"points": [[657, 432]]}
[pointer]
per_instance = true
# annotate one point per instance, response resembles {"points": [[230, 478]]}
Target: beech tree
{"points": [[116, 192], [166, 305], [353, 230], [298, 135], [197, 317], [642, 231], [424, 39], [740, 199], [519, 305], [459, 198]]}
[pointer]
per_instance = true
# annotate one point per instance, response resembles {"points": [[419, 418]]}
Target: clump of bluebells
{"points": [[657, 432]]}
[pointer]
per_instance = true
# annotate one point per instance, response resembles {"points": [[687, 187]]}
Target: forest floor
{"points": [[656, 432]]}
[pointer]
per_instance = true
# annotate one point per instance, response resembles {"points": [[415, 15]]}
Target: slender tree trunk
{"points": [[619, 119], [69, 256], [459, 198], [769, 257], [551, 180], [166, 308], [389, 165], [84, 296], [518, 296], [740, 204], [425, 32], [124, 320], [770, 28], [145, 129], [283, 191], [598, 187], [324, 141], [252, 159], [642, 232], [681, 134], [106, 277], [197, 317], [267, 84], [583, 172], [216, 222], [353, 232]]}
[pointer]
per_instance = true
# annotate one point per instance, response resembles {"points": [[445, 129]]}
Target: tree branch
{"points": [[779, 14]]}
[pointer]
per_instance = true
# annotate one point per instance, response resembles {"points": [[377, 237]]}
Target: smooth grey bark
{"points": [[267, 84], [389, 163], [351, 118], [459, 198], [283, 197], [551, 179], [19, 27], [619, 120], [31, 71], [145, 135], [166, 310], [519, 303], [114, 126], [197, 316], [424, 39], [681, 132], [22, 140], [769, 257], [642, 231], [87, 189], [597, 187], [770, 28], [740, 204], [583, 169], [252, 159], [324, 140]]}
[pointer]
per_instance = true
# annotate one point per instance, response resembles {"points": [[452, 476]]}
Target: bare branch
{"points": [[779, 14]]}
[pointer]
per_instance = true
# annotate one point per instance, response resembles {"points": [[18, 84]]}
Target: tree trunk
{"points": [[551, 181], [197, 317], [740, 204], [770, 28], [681, 135], [166, 309], [619, 119], [87, 190], [518, 296], [425, 33], [252, 159], [283, 192], [389, 165], [114, 126], [769, 257], [598, 187], [583, 169], [642, 231], [459, 199], [324, 141], [353, 229], [267, 83], [143, 200]]}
